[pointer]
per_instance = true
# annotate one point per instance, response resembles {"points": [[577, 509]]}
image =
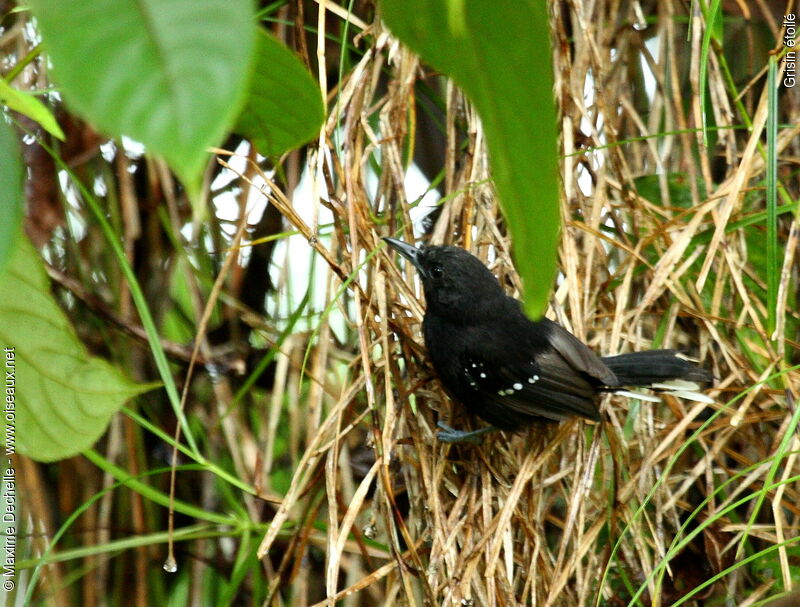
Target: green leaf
{"points": [[30, 106], [11, 194], [62, 398], [713, 18], [768, 567], [678, 188], [284, 107], [171, 74], [774, 258], [499, 54]]}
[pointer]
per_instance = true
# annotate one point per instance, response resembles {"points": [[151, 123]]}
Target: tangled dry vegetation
{"points": [[662, 244]]}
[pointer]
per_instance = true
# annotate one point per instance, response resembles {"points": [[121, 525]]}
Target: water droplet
{"points": [[370, 531], [170, 566]]}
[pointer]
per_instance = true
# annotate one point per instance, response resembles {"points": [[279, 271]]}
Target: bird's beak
{"points": [[410, 252]]}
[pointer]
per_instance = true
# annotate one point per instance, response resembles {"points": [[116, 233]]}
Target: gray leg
{"points": [[451, 435]]}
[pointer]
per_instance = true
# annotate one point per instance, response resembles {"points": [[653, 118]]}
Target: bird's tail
{"points": [[665, 370], [654, 366]]}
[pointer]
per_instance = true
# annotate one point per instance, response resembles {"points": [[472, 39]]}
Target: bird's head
{"points": [[457, 285]]}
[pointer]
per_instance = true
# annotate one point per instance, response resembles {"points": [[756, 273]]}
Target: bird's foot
{"points": [[451, 435]]}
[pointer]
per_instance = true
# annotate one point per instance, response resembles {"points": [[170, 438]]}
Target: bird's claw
{"points": [[451, 435]]}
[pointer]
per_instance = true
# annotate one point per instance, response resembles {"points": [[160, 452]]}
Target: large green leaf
{"points": [[61, 397], [499, 54], [284, 107], [11, 179], [171, 74]]}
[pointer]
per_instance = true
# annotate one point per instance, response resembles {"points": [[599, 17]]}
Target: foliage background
{"points": [[311, 412]]}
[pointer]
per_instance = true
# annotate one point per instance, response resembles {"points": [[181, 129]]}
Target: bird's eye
{"points": [[436, 271]]}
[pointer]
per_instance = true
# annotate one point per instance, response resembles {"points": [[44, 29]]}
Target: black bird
{"points": [[511, 371]]}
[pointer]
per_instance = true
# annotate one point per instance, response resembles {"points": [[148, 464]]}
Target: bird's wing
{"points": [[576, 353], [546, 387]]}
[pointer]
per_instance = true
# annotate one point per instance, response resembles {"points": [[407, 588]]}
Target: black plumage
{"points": [[509, 370]]}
